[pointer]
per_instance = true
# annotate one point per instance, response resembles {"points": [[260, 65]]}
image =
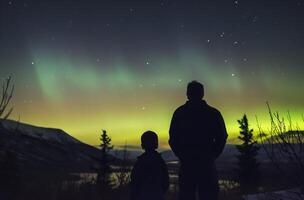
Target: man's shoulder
{"points": [[213, 110], [206, 105], [210, 109], [180, 109]]}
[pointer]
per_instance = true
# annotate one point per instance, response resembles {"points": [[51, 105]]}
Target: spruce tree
{"points": [[104, 175], [247, 162]]}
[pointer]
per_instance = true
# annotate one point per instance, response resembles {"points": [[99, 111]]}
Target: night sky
{"points": [[123, 66]]}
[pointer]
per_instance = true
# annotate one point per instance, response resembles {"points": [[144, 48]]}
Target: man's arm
{"points": [[173, 134], [220, 135]]}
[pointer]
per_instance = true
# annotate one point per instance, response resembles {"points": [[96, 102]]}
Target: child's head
{"points": [[149, 140]]}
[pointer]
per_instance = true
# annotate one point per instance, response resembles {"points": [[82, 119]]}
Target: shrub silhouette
{"points": [[6, 96], [284, 146]]}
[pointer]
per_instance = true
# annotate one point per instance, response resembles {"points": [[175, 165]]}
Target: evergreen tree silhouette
{"points": [[104, 175], [247, 162]]}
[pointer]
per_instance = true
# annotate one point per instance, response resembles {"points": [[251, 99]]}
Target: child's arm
{"points": [[165, 178]]}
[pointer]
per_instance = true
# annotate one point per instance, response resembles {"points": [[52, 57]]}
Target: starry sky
{"points": [[123, 66]]}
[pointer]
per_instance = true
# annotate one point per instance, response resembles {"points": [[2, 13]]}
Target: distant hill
{"points": [[228, 154], [46, 148], [225, 163]]}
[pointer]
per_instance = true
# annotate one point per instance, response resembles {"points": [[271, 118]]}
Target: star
{"points": [[255, 18], [143, 108], [208, 41], [232, 74], [147, 63], [33, 63]]}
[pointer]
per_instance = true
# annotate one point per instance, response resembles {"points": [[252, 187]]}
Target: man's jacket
{"points": [[197, 132]]}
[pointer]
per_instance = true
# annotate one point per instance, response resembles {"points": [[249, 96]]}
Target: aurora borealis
{"points": [[123, 66]]}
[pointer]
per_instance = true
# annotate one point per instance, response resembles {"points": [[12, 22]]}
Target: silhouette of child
{"points": [[149, 176]]}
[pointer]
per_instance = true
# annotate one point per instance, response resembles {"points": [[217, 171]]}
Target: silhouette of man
{"points": [[197, 137]]}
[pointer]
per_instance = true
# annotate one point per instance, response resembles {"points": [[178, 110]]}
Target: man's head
{"points": [[195, 91], [149, 141]]}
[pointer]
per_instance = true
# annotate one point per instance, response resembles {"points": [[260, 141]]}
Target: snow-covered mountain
{"points": [[50, 134], [46, 148]]}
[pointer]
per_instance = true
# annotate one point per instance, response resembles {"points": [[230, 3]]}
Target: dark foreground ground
{"points": [[62, 186]]}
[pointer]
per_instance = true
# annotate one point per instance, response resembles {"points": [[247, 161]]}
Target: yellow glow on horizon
{"points": [[125, 121]]}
